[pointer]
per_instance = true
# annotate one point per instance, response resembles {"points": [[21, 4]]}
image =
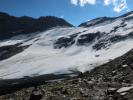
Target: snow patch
{"points": [[124, 89]]}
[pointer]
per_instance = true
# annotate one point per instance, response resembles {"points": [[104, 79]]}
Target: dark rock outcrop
{"points": [[81, 40], [11, 50], [87, 38], [64, 42]]}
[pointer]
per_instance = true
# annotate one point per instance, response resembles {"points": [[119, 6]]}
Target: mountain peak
{"points": [[105, 19], [11, 25], [95, 21]]}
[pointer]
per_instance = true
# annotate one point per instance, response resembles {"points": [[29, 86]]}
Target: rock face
{"points": [[8, 51], [11, 26], [87, 38]]}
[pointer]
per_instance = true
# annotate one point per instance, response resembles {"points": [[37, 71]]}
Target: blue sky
{"points": [[74, 11]]}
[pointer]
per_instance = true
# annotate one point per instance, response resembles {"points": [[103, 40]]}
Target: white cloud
{"points": [[74, 2], [83, 2], [107, 2], [118, 5]]}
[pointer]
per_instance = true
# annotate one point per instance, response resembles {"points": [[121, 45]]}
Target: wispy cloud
{"points": [[74, 2], [107, 2], [118, 5], [83, 2]]}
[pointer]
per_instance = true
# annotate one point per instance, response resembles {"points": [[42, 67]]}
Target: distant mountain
{"points": [[96, 21], [104, 20], [103, 31], [11, 25]]}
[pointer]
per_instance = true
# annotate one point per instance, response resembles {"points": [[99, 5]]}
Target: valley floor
{"points": [[75, 89]]}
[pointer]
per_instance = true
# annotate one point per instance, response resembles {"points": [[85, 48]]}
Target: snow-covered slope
{"points": [[64, 50]]}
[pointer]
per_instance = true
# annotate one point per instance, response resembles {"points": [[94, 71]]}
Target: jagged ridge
{"points": [[12, 26]]}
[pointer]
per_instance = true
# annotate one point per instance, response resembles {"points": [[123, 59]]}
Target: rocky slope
{"points": [[119, 70], [111, 81]]}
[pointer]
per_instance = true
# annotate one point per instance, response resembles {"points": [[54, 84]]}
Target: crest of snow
{"points": [[130, 15]]}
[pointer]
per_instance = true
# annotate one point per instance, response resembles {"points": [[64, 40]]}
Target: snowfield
{"points": [[42, 58]]}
